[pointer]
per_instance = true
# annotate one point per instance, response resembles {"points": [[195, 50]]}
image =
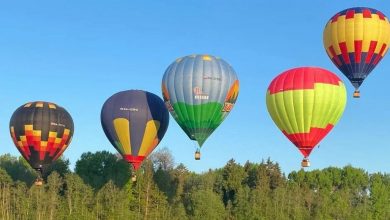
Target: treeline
{"points": [[101, 188]]}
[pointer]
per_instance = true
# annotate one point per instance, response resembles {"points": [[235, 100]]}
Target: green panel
{"points": [[199, 121], [308, 99], [288, 98]]}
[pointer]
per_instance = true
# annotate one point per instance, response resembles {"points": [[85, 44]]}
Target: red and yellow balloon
{"points": [[306, 103], [356, 40]]}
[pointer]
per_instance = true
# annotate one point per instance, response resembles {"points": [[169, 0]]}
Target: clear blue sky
{"points": [[78, 53]]}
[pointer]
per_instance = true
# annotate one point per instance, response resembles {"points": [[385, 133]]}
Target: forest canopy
{"points": [[100, 187]]}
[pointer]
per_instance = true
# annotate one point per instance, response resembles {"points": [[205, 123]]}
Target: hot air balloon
{"points": [[135, 122], [306, 103], [199, 92], [356, 39], [41, 131]]}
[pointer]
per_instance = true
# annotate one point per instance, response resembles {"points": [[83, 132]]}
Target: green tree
{"points": [[112, 203], [163, 163], [54, 185], [38, 203], [60, 166], [205, 204], [20, 201], [18, 169], [96, 169], [78, 196], [233, 176], [380, 196], [151, 202], [5, 195]]}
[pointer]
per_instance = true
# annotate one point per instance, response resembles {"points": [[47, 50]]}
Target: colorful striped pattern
{"points": [[41, 131], [54, 146], [305, 103], [124, 144], [356, 39]]}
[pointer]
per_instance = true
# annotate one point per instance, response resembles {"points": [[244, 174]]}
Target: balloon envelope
{"points": [[41, 131], [199, 91], [134, 121], [356, 39], [306, 103]]}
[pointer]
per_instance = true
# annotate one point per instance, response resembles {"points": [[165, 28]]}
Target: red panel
{"points": [[358, 51], [380, 55], [334, 19], [381, 16], [370, 51], [29, 139], [64, 140], [134, 160], [302, 78], [366, 13], [56, 147], [27, 151], [50, 146], [36, 138], [305, 142], [42, 155], [334, 56], [350, 14], [344, 52]]}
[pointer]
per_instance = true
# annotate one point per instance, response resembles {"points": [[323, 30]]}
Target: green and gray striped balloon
{"points": [[199, 92]]}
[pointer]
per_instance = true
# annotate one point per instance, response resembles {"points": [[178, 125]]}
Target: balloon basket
{"points": [[38, 182], [197, 155], [356, 94], [305, 162]]}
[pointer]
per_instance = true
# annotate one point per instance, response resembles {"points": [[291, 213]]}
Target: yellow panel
{"points": [[150, 135], [358, 26], [350, 35], [334, 38], [327, 36], [28, 127], [58, 140], [207, 58], [37, 133], [53, 106], [27, 105], [43, 145], [341, 29], [66, 131], [52, 134], [379, 36], [370, 32], [384, 37], [23, 138], [39, 105], [154, 143], [387, 35], [122, 129]]}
